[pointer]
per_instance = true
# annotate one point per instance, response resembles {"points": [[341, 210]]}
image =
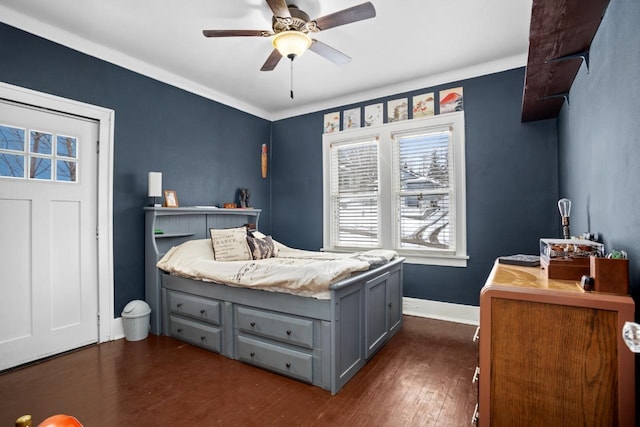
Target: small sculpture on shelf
{"points": [[244, 197]]}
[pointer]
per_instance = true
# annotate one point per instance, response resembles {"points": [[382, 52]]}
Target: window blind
{"points": [[424, 190], [355, 194]]}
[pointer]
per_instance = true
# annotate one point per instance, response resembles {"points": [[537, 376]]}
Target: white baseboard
{"points": [[117, 329], [458, 313]]}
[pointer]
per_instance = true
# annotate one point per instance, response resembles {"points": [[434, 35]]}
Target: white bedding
{"points": [[293, 271]]}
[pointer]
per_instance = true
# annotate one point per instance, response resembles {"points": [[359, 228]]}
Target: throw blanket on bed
{"points": [[293, 271]]}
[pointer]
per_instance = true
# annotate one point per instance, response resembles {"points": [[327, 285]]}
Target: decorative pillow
{"points": [[262, 248], [259, 235], [256, 234], [230, 244]]}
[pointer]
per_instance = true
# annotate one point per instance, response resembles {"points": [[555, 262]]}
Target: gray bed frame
{"points": [[321, 342]]}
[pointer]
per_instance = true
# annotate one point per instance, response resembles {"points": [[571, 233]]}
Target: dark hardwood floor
{"points": [[422, 377]]}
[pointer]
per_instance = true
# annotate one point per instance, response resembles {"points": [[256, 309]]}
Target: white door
{"points": [[48, 223]]}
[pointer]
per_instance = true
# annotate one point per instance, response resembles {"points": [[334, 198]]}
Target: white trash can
{"points": [[135, 320]]}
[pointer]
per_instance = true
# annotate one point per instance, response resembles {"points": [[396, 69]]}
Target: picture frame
{"points": [[351, 119], [373, 115], [451, 100], [332, 122], [170, 199], [397, 110], [423, 105]]}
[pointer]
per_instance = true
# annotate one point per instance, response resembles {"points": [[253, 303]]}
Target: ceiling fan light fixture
{"points": [[291, 43]]}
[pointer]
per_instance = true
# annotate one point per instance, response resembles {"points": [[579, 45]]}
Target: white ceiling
{"points": [[409, 44]]}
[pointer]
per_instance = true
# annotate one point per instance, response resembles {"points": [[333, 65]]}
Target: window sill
{"points": [[445, 261], [412, 258]]}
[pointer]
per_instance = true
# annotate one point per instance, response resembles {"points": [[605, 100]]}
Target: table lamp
{"points": [[564, 206], [154, 187]]}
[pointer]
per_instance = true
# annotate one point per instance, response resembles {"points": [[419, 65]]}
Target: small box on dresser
{"points": [[610, 275], [567, 259]]}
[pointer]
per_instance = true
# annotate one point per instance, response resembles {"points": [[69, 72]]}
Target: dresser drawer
{"points": [[202, 309], [197, 333], [289, 329], [289, 362]]}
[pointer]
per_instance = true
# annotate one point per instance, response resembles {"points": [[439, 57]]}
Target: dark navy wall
{"points": [[205, 150], [599, 134], [599, 137], [512, 184]]}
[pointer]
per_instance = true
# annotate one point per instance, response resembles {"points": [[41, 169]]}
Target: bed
{"points": [[323, 339]]}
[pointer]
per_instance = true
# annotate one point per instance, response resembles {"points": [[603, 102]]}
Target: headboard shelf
{"points": [[169, 235], [179, 225]]}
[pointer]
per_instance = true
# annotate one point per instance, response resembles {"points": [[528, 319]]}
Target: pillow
{"points": [[259, 235], [256, 234], [262, 248], [230, 244]]}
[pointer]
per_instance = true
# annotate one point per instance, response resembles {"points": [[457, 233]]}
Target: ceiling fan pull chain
{"points": [[292, 76]]}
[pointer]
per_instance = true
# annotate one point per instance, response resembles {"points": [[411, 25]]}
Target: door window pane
{"points": [[66, 146], [12, 165], [39, 142], [66, 171], [11, 138], [39, 168]]}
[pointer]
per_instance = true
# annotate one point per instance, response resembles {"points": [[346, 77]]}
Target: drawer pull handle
{"points": [[476, 374], [389, 305], [288, 364], [179, 305], [179, 330], [202, 338], [252, 354], [203, 311], [253, 324], [289, 332]]}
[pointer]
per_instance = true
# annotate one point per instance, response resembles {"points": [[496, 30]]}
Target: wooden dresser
{"points": [[552, 354]]}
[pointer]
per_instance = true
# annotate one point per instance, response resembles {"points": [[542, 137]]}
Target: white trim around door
{"points": [[105, 118]]}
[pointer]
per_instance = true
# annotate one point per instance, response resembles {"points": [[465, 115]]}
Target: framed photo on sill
{"points": [[170, 199]]}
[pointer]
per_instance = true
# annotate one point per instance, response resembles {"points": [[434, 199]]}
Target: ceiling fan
{"points": [[291, 27]]}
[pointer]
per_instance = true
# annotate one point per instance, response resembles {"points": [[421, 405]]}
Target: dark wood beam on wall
{"points": [[560, 35]]}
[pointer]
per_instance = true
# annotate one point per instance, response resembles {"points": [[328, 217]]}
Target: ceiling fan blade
{"points": [[346, 16], [271, 61], [279, 8], [329, 53], [236, 33]]}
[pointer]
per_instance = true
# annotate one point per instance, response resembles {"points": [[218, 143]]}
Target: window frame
{"points": [[388, 213], [30, 157]]}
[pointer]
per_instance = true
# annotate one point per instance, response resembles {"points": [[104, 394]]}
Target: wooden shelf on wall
{"points": [[559, 29]]}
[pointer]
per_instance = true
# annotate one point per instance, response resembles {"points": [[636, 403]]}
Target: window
{"points": [[42, 157], [399, 186]]}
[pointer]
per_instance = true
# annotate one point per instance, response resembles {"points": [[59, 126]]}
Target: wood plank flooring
{"points": [[422, 377]]}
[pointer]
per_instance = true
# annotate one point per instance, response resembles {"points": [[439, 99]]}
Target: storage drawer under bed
{"points": [[288, 329], [293, 363], [202, 309], [200, 334]]}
